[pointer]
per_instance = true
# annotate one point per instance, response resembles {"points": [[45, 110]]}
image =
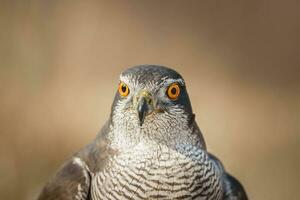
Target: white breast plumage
{"points": [[158, 173]]}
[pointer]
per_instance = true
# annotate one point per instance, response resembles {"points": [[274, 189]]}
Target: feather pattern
{"points": [[159, 173]]}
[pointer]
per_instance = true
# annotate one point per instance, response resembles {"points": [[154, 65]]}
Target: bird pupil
{"points": [[123, 88], [173, 90]]}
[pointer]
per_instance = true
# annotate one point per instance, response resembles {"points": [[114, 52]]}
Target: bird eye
{"points": [[123, 89], [173, 91]]}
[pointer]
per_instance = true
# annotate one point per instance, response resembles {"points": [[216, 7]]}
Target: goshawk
{"points": [[150, 148]]}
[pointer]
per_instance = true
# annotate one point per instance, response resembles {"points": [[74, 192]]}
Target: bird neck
{"points": [[123, 136]]}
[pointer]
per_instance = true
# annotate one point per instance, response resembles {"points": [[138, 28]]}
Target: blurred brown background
{"points": [[59, 68]]}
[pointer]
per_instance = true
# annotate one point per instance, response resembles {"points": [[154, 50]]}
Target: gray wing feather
{"points": [[233, 189], [72, 182]]}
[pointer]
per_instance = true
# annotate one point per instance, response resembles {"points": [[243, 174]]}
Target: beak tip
{"points": [[141, 118]]}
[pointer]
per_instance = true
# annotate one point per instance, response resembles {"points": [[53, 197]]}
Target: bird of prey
{"points": [[150, 148]]}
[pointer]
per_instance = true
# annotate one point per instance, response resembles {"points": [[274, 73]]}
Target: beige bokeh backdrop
{"points": [[59, 68]]}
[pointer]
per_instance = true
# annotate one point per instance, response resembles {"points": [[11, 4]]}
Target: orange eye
{"points": [[173, 91], [123, 89]]}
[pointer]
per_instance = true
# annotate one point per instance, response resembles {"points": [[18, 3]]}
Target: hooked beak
{"points": [[144, 104]]}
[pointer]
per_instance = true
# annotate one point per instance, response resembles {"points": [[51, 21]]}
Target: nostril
{"points": [[136, 99]]}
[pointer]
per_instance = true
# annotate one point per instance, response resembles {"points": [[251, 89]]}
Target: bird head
{"points": [[152, 99]]}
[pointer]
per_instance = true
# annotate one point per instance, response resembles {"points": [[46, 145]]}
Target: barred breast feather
{"points": [[162, 173]]}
